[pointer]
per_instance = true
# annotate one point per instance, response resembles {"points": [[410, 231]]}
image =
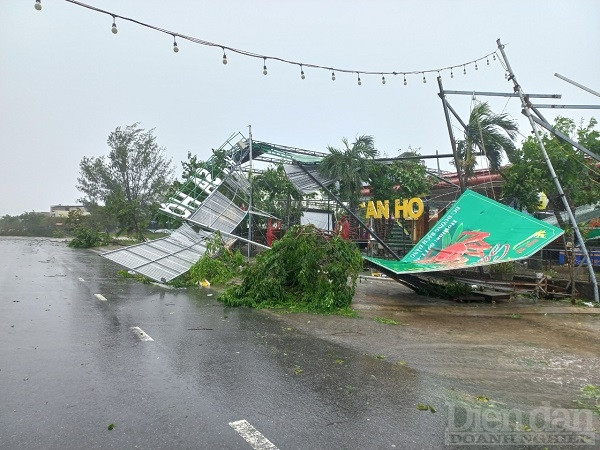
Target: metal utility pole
{"points": [[250, 201], [461, 180], [350, 212], [527, 111]]}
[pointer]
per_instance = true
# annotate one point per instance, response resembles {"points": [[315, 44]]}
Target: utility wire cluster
{"points": [[422, 73]]}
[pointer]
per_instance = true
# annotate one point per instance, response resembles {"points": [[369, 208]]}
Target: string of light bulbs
{"points": [[300, 65]]}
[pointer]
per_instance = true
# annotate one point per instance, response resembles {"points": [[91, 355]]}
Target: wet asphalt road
{"points": [[70, 365]]}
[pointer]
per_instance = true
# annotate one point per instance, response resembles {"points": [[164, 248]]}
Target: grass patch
{"points": [[589, 398], [135, 276], [426, 407], [386, 321]]}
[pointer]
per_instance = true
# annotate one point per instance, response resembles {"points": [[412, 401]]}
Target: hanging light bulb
{"points": [[302, 72], [38, 5], [224, 56], [359, 82], [264, 66], [476, 68], [332, 75], [114, 26], [494, 57], [175, 48], [404, 79], [424, 79], [464, 70], [382, 79], [451, 74], [487, 60]]}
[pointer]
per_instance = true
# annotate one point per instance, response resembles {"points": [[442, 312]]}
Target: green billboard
{"points": [[475, 231]]}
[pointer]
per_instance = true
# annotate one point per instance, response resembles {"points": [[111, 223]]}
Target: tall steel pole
{"points": [[250, 201], [350, 212], [461, 180], [527, 110]]}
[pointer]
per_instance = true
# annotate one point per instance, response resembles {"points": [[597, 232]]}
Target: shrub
{"points": [[304, 270], [217, 265], [86, 237]]}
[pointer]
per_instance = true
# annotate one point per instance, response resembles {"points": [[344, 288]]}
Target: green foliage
{"points": [[386, 321], [130, 180], [215, 165], [181, 281], [135, 276], [399, 179], [426, 407], [197, 168], [273, 192], [28, 224], [217, 265], [503, 267], [86, 237], [350, 167], [493, 133], [578, 175], [589, 398], [448, 289], [305, 271]]}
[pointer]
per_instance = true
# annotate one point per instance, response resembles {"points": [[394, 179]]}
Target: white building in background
{"points": [[63, 210]]}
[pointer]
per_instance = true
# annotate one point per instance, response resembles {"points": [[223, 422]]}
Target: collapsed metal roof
{"points": [[215, 199], [166, 258]]}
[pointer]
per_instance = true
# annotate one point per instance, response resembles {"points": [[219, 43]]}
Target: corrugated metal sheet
{"points": [[304, 183], [218, 213], [166, 258]]}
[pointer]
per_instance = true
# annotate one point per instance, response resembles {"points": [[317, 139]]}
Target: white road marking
{"points": [[252, 436], [141, 334], [81, 279], [100, 297], [70, 270]]}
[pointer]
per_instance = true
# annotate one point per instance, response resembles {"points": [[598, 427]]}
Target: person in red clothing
{"points": [[344, 228], [271, 231]]}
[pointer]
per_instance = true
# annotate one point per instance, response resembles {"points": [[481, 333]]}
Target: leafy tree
{"points": [[28, 224], [399, 179], [493, 133], [134, 176], [273, 192], [86, 237], [350, 166], [578, 174]]}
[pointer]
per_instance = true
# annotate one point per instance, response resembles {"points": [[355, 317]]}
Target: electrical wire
{"points": [[329, 69]]}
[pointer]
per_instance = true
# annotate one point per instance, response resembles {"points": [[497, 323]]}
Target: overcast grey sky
{"points": [[66, 81]]}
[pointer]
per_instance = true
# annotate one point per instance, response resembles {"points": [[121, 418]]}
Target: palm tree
{"points": [[349, 166], [492, 133]]}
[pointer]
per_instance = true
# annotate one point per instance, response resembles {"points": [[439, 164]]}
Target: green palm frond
{"points": [[349, 166], [493, 133]]}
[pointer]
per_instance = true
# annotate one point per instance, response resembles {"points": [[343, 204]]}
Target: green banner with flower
{"points": [[475, 231]]}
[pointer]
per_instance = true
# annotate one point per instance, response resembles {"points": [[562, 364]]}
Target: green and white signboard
{"points": [[475, 231]]}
